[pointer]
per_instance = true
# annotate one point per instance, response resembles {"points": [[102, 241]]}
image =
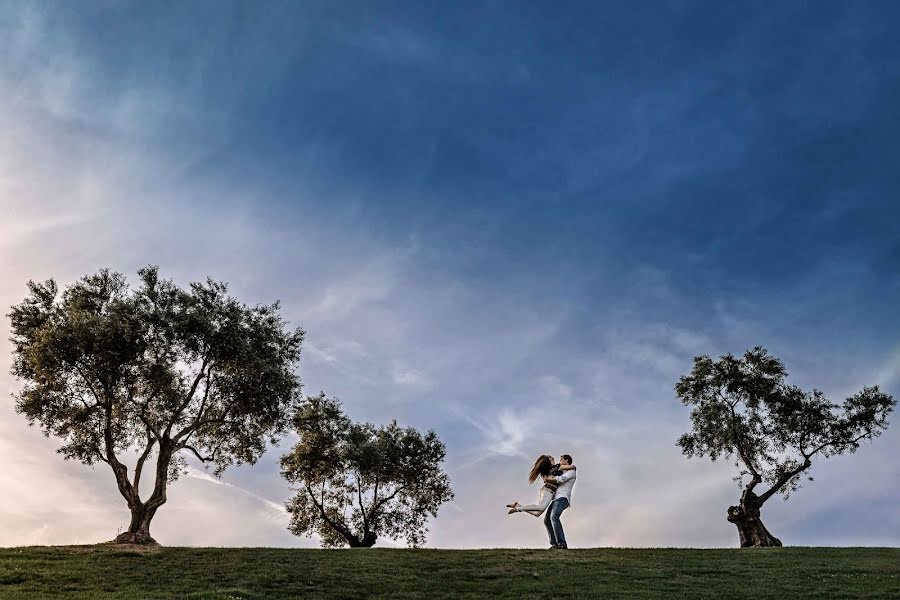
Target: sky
{"points": [[512, 222]]}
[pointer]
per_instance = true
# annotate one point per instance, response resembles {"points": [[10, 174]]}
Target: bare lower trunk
{"points": [[367, 541], [746, 518], [139, 527], [142, 513]]}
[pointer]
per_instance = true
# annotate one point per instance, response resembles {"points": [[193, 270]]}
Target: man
{"points": [[561, 500]]}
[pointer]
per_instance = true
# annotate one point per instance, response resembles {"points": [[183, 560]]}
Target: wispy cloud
{"points": [[273, 509], [506, 433]]}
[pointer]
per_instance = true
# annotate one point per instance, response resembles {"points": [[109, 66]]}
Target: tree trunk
{"points": [[750, 527], [139, 527], [367, 541], [142, 513]]}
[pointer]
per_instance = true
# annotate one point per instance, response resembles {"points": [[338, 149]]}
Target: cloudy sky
{"points": [[515, 223]]}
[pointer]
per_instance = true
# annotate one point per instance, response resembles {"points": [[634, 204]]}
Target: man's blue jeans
{"points": [[552, 522]]}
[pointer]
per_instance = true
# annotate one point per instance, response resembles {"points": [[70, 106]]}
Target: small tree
{"points": [[357, 481], [158, 369], [742, 410]]}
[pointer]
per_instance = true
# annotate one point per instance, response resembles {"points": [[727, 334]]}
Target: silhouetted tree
{"points": [[157, 369], [742, 410], [357, 481]]}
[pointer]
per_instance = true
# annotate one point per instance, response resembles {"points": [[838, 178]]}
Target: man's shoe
{"points": [[553, 547], [561, 547]]}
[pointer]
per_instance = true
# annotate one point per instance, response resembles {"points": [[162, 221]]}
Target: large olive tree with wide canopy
{"points": [[159, 371]]}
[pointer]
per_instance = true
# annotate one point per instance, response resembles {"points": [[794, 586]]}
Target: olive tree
{"points": [[742, 410], [356, 482], [157, 370]]}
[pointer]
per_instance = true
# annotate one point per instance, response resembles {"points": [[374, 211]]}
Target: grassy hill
{"points": [[83, 572]]}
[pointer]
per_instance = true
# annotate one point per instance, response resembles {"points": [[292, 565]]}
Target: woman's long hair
{"points": [[541, 468]]}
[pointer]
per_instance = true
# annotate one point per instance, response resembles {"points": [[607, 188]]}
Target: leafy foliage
{"points": [[743, 410], [356, 481], [157, 368]]}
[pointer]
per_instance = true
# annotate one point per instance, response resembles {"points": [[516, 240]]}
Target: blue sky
{"points": [[512, 222]]}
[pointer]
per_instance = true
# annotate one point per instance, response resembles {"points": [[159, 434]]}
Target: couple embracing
{"points": [[558, 479]]}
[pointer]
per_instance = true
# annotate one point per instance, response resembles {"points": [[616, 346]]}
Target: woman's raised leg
{"points": [[538, 509]]}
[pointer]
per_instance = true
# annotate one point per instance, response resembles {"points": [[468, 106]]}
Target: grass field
{"points": [[82, 572]]}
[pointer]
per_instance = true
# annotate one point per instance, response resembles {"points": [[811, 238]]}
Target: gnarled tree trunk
{"points": [[368, 540], [142, 513], [750, 527], [139, 527]]}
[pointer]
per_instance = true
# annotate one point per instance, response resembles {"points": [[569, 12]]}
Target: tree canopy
{"points": [[157, 369], [356, 482], [743, 410]]}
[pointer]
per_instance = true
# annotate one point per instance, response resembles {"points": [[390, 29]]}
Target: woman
{"points": [[543, 467]]}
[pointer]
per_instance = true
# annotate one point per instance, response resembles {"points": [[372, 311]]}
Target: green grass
{"points": [[254, 573]]}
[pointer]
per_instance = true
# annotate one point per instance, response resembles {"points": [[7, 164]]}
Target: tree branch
{"points": [[89, 385], [205, 393], [753, 482], [185, 434], [843, 443], [362, 506], [158, 498], [374, 498], [143, 414], [783, 480], [387, 499], [340, 528], [139, 467], [99, 452], [742, 453], [198, 455], [149, 425], [119, 470], [190, 395]]}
